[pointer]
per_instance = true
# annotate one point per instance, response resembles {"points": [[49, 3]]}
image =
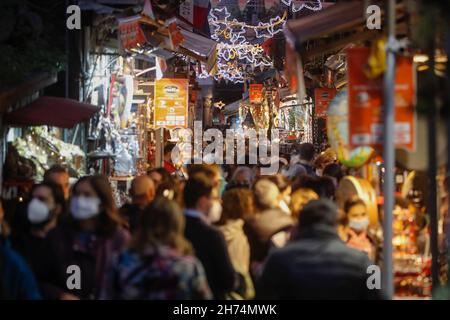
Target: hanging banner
{"points": [[171, 103], [130, 33], [366, 98], [256, 95], [322, 99], [176, 38]]}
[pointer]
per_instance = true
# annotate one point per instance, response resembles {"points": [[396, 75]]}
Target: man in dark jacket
{"points": [[317, 265], [201, 199]]}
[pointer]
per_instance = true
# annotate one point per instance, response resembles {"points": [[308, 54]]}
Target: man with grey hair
{"points": [[318, 264]]}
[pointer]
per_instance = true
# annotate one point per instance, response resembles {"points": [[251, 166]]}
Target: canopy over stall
{"points": [[52, 111]]}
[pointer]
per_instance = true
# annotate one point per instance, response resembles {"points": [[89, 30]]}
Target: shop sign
{"points": [[130, 33], [171, 103], [365, 99], [255, 91], [322, 99]]}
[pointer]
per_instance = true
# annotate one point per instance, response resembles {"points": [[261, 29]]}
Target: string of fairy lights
{"points": [[239, 49]]}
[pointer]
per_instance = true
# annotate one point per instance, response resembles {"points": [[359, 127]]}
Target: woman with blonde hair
{"points": [[237, 203], [300, 198]]}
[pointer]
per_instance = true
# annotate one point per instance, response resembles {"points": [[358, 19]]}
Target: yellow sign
{"points": [[171, 103]]}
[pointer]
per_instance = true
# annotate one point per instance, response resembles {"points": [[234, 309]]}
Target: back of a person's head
{"points": [[55, 169], [306, 151], [279, 180], [333, 170], [161, 223], [300, 198], [327, 188], [266, 194], [307, 182], [236, 204], [197, 186], [318, 212], [212, 171]]}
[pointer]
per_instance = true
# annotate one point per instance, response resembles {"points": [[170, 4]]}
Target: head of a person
{"points": [[318, 212], [92, 205], [142, 191], [237, 204], [47, 202], [159, 175], [212, 171], [161, 224], [168, 152], [306, 152], [327, 188], [356, 215], [307, 182], [334, 171], [243, 176], [300, 198], [266, 194], [201, 194], [282, 184], [59, 175]]}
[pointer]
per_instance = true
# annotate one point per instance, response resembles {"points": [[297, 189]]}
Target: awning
{"points": [[232, 108], [52, 111]]}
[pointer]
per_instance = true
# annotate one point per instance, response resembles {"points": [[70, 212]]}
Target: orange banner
{"points": [[130, 33], [323, 97], [171, 103], [255, 94], [365, 99]]}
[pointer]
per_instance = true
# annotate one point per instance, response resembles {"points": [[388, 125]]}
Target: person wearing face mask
{"points": [[142, 192], [202, 209], [46, 205], [91, 240], [354, 230]]}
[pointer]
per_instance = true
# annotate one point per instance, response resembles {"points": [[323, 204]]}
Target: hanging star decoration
{"points": [[219, 105]]}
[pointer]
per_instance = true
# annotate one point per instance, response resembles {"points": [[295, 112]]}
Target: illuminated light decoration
{"points": [[234, 51], [311, 5], [219, 105]]}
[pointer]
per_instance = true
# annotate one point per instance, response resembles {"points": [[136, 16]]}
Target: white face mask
{"points": [[215, 212], [359, 224], [37, 211], [83, 208]]}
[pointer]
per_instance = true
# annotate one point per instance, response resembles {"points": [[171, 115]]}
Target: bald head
{"points": [[142, 191]]}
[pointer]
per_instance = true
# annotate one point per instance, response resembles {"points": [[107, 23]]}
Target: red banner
{"points": [[322, 98], [255, 93], [365, 98], [130, 33]]}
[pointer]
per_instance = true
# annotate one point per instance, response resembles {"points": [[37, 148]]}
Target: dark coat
{"points": [[17, 282], [318, 265], [211, 249], [93, 254]]}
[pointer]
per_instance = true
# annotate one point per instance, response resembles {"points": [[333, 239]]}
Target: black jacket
{"points": [[211, 249], [317, 265]]}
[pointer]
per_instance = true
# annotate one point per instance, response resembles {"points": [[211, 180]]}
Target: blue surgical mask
{"points": [[359, 224]]}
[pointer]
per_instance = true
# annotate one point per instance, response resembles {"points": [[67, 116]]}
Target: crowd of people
{"points": [[224, 232]]}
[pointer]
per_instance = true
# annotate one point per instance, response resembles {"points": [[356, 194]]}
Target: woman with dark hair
{"points": [[354, 228], [159, 265], [78, 254], [46, 206]]}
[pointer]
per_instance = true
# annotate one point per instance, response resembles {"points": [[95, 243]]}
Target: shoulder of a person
{"points": [[121, 236]]}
